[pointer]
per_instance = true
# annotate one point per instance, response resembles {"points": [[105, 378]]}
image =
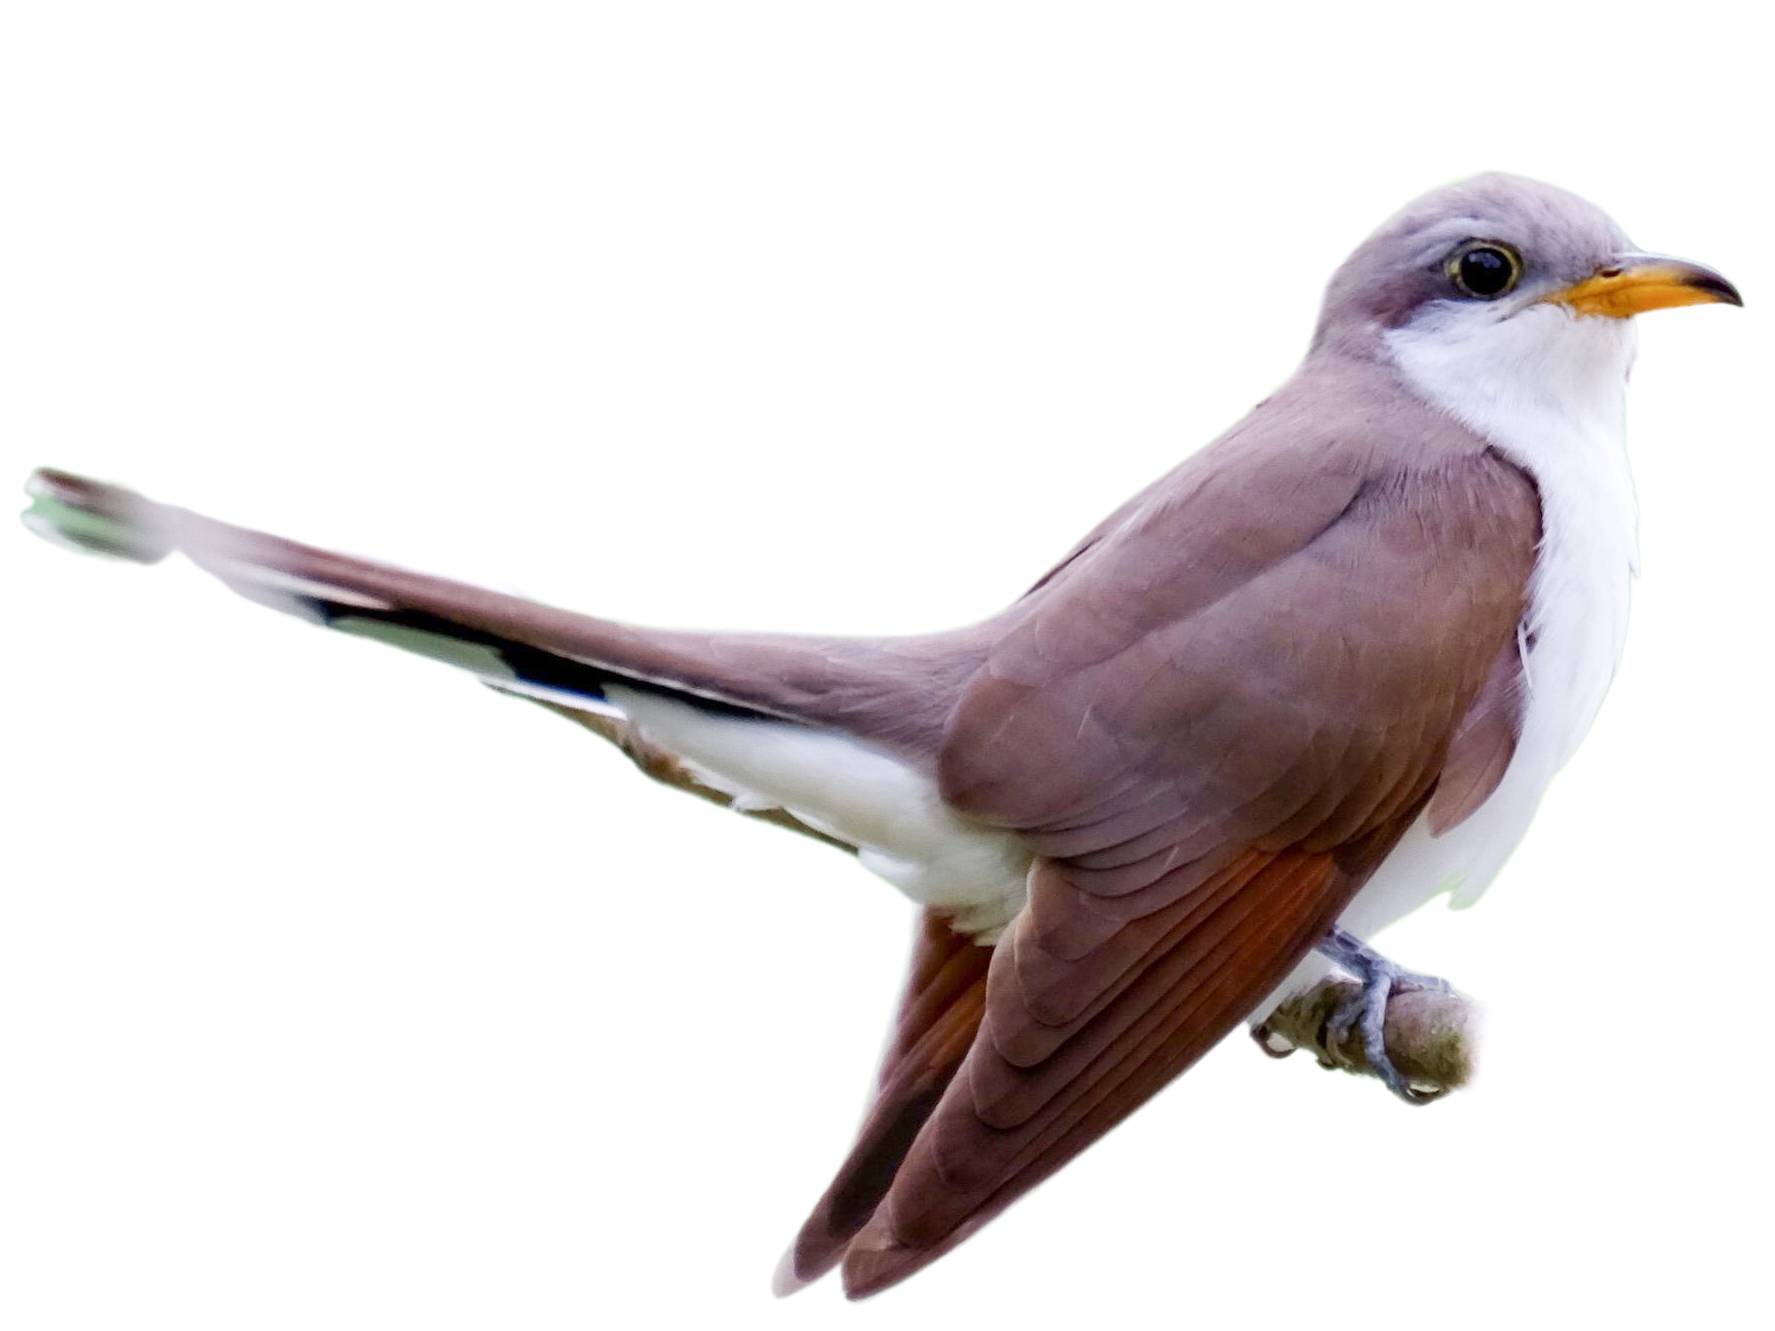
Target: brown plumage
{"points": [[1193, 740], [1207, 724], [1198, 833], [938, 1018]]}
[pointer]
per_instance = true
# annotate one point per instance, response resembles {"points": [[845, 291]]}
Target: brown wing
{"points": [[939, 1014], [1211, 729]]}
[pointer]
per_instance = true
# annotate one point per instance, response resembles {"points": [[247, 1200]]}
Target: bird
{"points": [[1316, 675]]}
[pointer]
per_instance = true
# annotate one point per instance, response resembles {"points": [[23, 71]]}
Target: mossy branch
{"points": [[1432, 1036]]}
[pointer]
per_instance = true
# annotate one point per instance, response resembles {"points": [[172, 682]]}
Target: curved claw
{"points": [[1365, 1013], [1265, 1038]]}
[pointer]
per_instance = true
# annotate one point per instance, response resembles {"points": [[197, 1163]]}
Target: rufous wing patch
{"points": [[939, 1015]]}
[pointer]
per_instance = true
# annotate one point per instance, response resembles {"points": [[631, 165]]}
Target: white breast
{"points": [[1547, 391]]}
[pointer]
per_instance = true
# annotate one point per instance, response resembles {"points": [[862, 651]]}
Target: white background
{"points": [[335, 991]]}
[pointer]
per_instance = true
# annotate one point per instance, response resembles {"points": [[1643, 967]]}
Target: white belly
{"points": [[1569, 667], [1571, 645]]}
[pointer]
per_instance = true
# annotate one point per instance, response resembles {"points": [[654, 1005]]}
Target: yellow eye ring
{"points": [[1484, 269]]}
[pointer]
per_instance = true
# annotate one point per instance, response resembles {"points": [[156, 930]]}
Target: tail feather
{"points": [[102, 519], [880, 689], [894, 692], [498, 638]]}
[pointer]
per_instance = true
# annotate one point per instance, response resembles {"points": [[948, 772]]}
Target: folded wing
{"points": [[1210, 728]]}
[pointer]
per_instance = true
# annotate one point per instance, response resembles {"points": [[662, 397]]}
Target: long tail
{"points": [[878, 689], [896, 692]]}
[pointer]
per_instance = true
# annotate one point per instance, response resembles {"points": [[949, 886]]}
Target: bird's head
{"points": [[1509, 277]]}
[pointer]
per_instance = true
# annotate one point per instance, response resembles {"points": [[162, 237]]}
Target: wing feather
{"points": [[1280, 735], [940, 1012]]}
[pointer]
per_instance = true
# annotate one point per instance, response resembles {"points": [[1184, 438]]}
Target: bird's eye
{"points": [[1484, 269]]}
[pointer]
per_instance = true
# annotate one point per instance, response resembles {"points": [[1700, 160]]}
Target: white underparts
{"points": [[853, 791], [1547, 390]]}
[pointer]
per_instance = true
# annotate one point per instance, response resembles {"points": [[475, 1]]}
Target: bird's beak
{"points": [[1634, 283]]}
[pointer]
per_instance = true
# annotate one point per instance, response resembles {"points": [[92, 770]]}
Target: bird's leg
{"points": [[1366, 1011]]}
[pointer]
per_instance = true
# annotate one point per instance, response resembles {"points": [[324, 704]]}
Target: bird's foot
{"points": [[1365, 1013]]}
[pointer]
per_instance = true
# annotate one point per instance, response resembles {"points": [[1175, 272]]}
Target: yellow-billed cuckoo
{"points": [[1318, 673]]}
